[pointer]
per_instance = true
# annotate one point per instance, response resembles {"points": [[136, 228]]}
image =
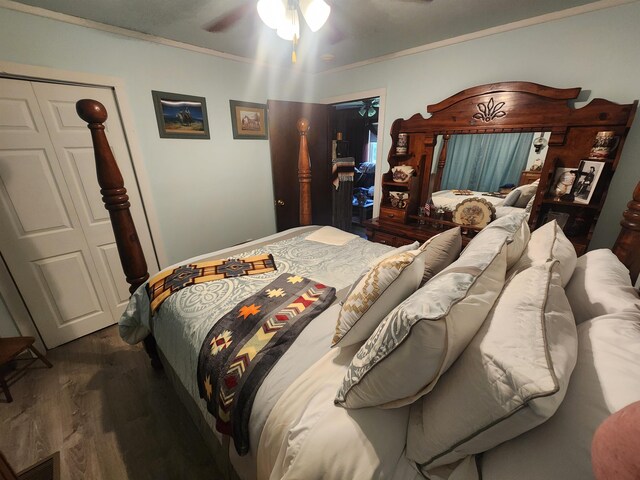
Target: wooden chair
{"points": [[46, 469], [10, 348]]}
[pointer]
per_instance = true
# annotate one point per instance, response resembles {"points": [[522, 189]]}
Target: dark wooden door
{"points": [[284, 143]]}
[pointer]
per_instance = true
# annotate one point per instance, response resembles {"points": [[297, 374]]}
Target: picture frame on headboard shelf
{"points": [[587, 180], [249, 120], [181, 116]]}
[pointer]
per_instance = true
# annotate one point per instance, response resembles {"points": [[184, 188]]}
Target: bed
{"points": [[323, 412], [450, 199]]}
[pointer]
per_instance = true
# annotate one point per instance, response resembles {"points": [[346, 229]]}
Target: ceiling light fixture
{"points": [[282, 15]]}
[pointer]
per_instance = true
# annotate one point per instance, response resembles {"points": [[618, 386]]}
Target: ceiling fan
{"points": [[282, 16], [369, 107]]}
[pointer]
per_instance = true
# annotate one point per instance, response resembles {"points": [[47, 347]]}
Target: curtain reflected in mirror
{"points": [[485, 162]]}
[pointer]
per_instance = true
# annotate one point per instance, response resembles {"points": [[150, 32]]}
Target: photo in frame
{"points": [[181, 116], [586, 180], [249, 120]]}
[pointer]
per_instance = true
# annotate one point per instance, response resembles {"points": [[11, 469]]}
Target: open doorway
{"points": [[354, 133]]}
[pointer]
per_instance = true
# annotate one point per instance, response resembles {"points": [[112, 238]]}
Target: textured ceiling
{"points": [[369, 28]]}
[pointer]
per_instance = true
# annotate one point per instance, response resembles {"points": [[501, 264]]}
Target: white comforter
{"points": [[308, 437], [449, 200]]}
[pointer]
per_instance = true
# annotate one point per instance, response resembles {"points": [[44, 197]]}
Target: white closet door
{"points": [[54, 233], [72, 142]]}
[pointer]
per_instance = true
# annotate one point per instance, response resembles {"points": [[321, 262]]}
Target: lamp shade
{"points": [[315, 13], [272, 12]]}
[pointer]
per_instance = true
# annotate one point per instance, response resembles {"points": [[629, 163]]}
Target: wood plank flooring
{"points": [[107, 412]]}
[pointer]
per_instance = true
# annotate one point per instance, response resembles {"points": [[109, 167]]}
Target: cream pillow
{"points": [[548, 243], [515, 230], [440, 252], [600, 284], [606, 379], [526, 193], [511, 199], [511, 378], [422, 337], [375, 294]]}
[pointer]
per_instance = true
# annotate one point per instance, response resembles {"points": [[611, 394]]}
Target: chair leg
{"points": [[40, 356], [5, 389]]}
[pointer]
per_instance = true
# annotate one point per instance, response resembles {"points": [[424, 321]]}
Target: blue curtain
{"points": [[483, 162]]}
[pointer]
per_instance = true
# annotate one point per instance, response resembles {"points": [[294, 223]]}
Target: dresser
{"points": [[529, 176]]}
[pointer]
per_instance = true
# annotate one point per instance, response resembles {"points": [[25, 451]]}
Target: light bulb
{"points": [[272, 12], [315, 13]]}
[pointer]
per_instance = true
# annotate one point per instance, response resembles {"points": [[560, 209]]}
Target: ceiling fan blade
{"points": [[223, 22]]}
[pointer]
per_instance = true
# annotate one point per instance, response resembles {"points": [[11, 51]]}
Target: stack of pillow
{"points": [[482, 346]]}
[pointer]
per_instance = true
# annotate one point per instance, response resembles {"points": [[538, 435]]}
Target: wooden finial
{"points": [[91, 111]]}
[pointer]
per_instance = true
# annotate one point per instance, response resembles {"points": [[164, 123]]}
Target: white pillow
{"points": [[526, 193], [510, 200], [606, 379], [514, 228], [375, 294], [548, 243], [421, 338], [440, 252], [600, 284], [511, 378]]}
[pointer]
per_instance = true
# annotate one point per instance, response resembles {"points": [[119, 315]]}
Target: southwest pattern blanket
{"points": [[170, 281], [244, 345]]}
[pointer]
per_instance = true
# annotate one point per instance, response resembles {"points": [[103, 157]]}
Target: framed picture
{"points": [[586, 180], [249, 120], [181, 116]]}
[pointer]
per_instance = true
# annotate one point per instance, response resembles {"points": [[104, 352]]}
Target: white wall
{"points": [[598, 51]]}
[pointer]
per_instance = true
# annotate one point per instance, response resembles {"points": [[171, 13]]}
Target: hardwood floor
{"points": [[107, 412]]}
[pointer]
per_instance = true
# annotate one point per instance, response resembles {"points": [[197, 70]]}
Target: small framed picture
{"points": [[181, 116], [586, 180], [249, 120]]}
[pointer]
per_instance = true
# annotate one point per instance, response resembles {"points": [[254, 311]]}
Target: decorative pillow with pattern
{"points": [[422, 337], [375, 294], [512, 376]]}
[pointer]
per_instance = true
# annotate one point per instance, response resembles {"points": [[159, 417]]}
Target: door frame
{"points": [[17, 71], [382, 94]]}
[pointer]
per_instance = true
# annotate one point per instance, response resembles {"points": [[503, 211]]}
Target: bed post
{"points": [[627, 245], [116, 201], [304, 173]]}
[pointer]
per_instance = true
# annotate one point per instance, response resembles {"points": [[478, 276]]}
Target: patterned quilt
{"points": [[167, 282], [243, 346]]}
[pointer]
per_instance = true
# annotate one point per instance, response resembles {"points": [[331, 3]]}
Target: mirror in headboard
{"points": [[511, 107], [484, 162]]}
